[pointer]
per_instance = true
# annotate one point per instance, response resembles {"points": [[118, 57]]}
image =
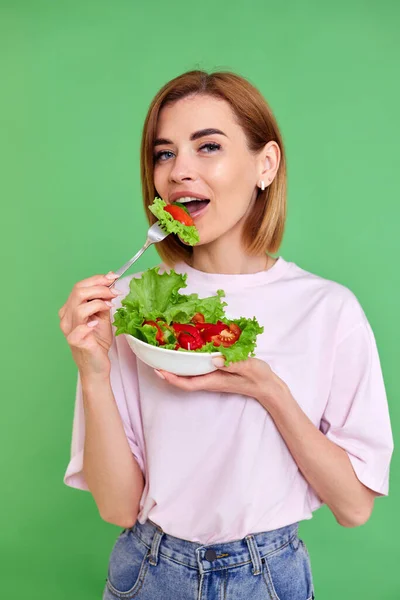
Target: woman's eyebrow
{"points": [[195, 136]]}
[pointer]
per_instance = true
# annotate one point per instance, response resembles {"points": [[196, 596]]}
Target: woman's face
{"points": [[190, 161]]}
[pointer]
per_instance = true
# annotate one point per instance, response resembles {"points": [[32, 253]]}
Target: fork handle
{"points": [[130, 262]]}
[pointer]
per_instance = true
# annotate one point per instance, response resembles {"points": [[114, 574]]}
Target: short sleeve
{"points": [[356, 417], [124, 384]]}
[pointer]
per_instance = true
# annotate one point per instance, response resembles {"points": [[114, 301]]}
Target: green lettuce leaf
{"points": [[155, 296], [188, 233], [152, 294], [187, 306]]}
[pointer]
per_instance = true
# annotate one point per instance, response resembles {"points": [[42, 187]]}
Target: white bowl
{"points": [[179, 363]]}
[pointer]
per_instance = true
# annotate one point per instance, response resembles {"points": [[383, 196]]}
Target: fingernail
{"points": [[111, 275], [109, 303], [92, 323], [116, 292], [218, 361], [159, 374]]}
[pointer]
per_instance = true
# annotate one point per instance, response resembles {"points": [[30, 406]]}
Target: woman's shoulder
{"points": [[316, 282], [338, 298]]}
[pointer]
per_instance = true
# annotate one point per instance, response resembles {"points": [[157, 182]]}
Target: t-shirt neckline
{"points": [[228, 281]]}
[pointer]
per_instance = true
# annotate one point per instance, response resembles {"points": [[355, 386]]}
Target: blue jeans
{"points": [[148, 564]]}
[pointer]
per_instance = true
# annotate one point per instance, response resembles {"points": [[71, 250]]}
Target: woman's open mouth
{"points": [[196, 207]]}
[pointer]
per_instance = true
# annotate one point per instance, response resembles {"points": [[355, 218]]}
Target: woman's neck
{"points": [[232, 262]]}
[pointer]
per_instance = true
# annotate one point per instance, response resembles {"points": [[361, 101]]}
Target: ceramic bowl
{"points": [[179, 363]]}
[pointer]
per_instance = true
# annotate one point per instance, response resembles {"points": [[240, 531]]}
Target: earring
{"points": [[262, 185]]}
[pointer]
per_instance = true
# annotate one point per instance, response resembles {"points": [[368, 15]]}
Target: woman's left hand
{"points": [[252, 377]]}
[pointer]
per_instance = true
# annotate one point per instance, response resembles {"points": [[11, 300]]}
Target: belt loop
{"points": [[153, 558], [255, 554]]}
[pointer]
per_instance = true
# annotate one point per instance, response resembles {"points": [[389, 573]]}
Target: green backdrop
{"points": [[76, 80]]}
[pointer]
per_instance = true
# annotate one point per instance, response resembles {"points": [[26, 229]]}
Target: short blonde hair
{"points": [[263, 230]]}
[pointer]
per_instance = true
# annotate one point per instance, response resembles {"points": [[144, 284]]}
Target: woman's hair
{"points": [[263, 230]]}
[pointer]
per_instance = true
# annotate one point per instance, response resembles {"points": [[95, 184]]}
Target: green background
{"points": [[77, 78]]}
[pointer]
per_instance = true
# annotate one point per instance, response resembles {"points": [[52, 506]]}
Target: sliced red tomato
{"points": [[179, 214], [198, 318], [192, 336], [178, 327], [228, 336], [182, 206], [204, 326], [188, 336], [236, 329], [190, 342], [211, 330]]}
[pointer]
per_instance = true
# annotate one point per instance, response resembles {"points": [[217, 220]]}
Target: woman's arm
{"points": [[110, 469], [325, 466]]}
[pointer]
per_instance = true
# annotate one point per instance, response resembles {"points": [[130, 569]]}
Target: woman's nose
{"points": [[181, 169]]}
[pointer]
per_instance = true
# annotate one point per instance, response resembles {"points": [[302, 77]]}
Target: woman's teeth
{"points": [[186, 199]]}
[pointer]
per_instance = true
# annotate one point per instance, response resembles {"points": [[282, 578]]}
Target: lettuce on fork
{"points": [[154, 296], [188, 233]]}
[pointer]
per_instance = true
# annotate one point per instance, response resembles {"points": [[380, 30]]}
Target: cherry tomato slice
{"points": [[182, 206], [179, 214], [236, 329], [189, 341], [227, 337], [208, 333], [188, 336]]}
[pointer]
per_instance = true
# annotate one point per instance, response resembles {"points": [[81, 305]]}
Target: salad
{"points": [[175, 218], [156, 312]]}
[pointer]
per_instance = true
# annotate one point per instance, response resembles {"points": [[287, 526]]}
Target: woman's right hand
{"points": [[85, 321]]}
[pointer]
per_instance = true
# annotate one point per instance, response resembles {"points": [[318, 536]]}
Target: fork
{"points": [[155, 234]]}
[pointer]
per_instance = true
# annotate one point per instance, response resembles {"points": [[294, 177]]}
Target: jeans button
{"points": [[210, 555]]}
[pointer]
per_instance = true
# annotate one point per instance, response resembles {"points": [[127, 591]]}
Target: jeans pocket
{"points": [[128, 566], [287, 572]]}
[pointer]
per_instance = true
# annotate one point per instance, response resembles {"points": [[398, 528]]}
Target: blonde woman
{"points": [[209, 476]]}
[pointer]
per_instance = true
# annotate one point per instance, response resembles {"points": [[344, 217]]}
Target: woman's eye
{"points": [[159, 155], [211, 147]]}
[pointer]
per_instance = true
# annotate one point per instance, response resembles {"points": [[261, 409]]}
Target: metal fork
{"points": [[155, 234]]}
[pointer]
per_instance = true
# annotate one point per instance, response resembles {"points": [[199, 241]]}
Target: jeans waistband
{"points": [[217, 556]]}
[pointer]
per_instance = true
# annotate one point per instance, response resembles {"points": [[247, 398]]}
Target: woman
{"points": [[209, 476]]}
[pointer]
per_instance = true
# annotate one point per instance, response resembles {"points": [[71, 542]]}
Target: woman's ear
{"points": [[269, 162]]}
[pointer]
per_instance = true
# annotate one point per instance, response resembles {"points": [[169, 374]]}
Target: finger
{"points": [[211, 381], [84, 311], [101, 292], [240, 367], [64, 326], [98, 280], [62, 310]]}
